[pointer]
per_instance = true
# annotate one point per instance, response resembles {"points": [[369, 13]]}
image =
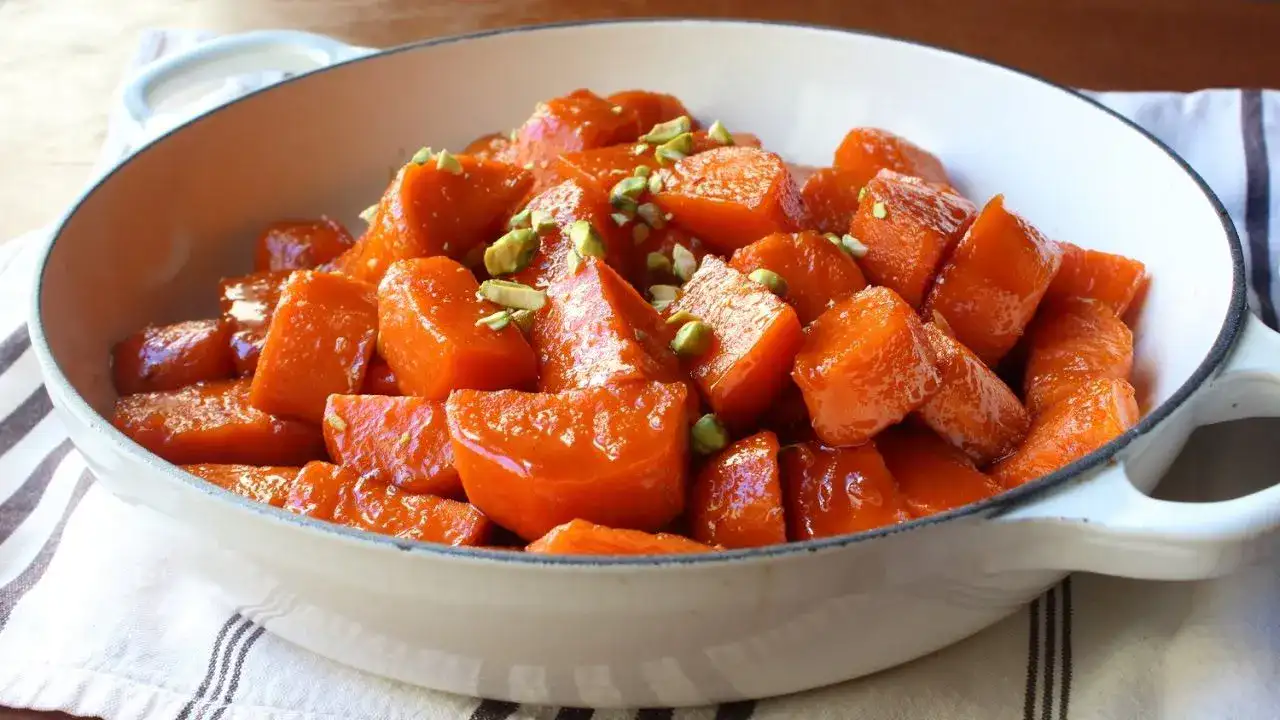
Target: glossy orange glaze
{"points": [[168, 357], [1071, 342], [300, 245], [756, 336], [866, 151], [1096, 413], [650, 108], [580, 120], [605, 166], [831, 197], [427, 313], [920, 225], [972, 409], [402, 441], [320, 341], [427, 211], [736, 499], [932, 475], [488, 147], [267, 484], [732, 196], [864, 365], [1114, 280], [702, 142], [836, 491], [318, 489], [567, 202], [380, 379], [991, 286], [247, 303], [579, 537], [818, 273], [214, 423], [613, 455]]}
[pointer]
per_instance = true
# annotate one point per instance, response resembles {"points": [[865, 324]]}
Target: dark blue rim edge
{"points": [[991, 507]]}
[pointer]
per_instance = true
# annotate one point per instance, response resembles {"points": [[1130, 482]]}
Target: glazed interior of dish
{"points": [[619, 329]]}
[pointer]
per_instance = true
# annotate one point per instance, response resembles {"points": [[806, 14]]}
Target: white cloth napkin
{"points": [[99, 616]]}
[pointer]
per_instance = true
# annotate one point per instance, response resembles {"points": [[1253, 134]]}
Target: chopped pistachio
{"points": [[616, 109], [523, 319], [520, 219], [718, 133], [708, 435], [692, 339], [862, 193], [403, 439], [675, 149], [513, 135], [574, 261], [681, 317], [770, 279], [651, 214], [512, 252], [528, 166], [854, 246], [832, 238], [620, 219], [541, 220], [447, 162], [657, 262], [336, 422], [512, 294], [585, 239], [683, 262], [662, 296], [368, 213], [496, 321], [640, 149], [642, 171], [655, 183], [664, 131], [879, 211], [639, 233], [422, 156], [625, 192]]}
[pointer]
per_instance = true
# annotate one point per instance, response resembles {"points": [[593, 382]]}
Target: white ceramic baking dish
{"points": [[148, 243]]}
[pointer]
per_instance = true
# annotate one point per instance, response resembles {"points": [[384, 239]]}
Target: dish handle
{"points": [[288, 51], [1104, 524]]}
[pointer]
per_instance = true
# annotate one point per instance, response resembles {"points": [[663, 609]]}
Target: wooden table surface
{"points": [[63, 58]]}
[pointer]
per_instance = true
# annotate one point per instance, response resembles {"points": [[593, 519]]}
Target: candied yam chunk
{"points": [[933, 475], [866, 151], [702, 142], [831, 197], [755, 338], [736, 499], [989, 289], [597, 330], [427, 332], [613, 455], [579, 537], [318, 489], [1113, 280], [213, 422], [565, 203], [580, 120], [401, 441], [972, 409], [864, 365], [732, 196], [320, 341], [267, 484], [433, 210], [908, 228], [650, 108], [488, 147], [247, 303], [385, 509], [818, 274], [1096, 413], [605, 166], [836, 491], [168, 357], [1071, 342], [300, 245]]}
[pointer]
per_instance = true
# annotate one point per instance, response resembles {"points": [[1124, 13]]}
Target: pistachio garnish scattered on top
{"points": [[512, 252], [514, 295], [496, 321], [708, 435], [692, 339], [422, 156], [586, 241], [675, 149], [662, 296], [626, 192], [447, 162], [665, 131], [770, 279], [651, 214], [718, 133], [854, 246], [683, 262]]}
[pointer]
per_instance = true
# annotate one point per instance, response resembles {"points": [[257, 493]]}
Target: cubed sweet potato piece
{"points": [[732, 196], [488, 147], [402, 441], [431, 210], [1114, 280], [818, 274], [300, 244], [866, 151], [614, 455], [579, 537], [605, 166], [932, 475], [320, 341], [835, 491], [972, 409], [1070, 342], [214, 423], [756, 336], [375, 506], [247, 303], [566, 203], [702, 142], [997, 274], [864, 365], [736, 499], [650, 108], [831, 197], [168, 357], [908, 228], [319, 489], [1096, 413], [267, 484], [580, 120], [597, 330], [427, 313]]}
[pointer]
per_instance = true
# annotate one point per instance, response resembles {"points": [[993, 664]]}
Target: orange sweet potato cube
{"points": [[990, 288], [866, 151], [491, 146], [579, 537], [427, 313], [566, 203], [1114, 280], [375, 506], [836, 491], [831, 197], [1071, 342], [247, 303], [605, 166], [650, 108], [267, 484], [736, 499], [319, 343], [818, 274], [168, 357], [300, 245], [401, 441], [756, 336], [908, 228], [578, 121], [933, 475], [864, 365]]}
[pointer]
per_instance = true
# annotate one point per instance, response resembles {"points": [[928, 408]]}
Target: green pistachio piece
{"points": [[421, 157], [626, 193], [520, 219], [657, 262], [512, 252], [651, 214], [675, 149], [541, 220], [854, 246], [514, 295], [585, 239], [770, 279], [523, 320], [662, 132], [496, 321], [655, 183], [642, 171], [692, 339], [879, 211], [447, 162], [708, 435], [680, 317], [718, 133], [639, 233], [620, 219], [662, 296], [683, 263], [368, 213]]}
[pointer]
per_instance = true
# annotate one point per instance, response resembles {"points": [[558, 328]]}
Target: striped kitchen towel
{"points": [[100, 617]]}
